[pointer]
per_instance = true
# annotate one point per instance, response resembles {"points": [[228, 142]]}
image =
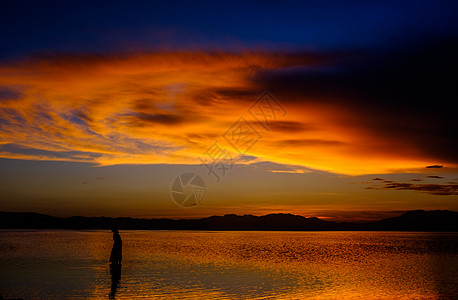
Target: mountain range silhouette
{"points": [[417, 220]]}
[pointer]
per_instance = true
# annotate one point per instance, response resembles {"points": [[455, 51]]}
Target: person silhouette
{"points": [[116, 251], [115, 262]]}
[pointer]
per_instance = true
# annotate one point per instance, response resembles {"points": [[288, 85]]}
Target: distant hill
{"points": [[418, 220]]}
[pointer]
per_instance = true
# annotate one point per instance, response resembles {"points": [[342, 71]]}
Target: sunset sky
{"points": [[343, 110]]}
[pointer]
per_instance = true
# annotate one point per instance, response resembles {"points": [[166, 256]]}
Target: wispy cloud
{"points": [[168, 107]]}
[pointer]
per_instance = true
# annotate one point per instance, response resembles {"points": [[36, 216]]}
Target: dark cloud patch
{"points": [[43, 116], [246, 158], [46, 154], [416, 179], [287, 126], [144, 105], [290, 126], [164, 119], [203, 136], [276, 167], [83, 116], [398, 185], [76, 117], [435, 176], [197, 139], [10, 116], [309, 142], [205, 98], [10, 93], [434, 167], [236, 93], [147, 110], [377, 178], [219, 95], [403, 95], [433, 189]]}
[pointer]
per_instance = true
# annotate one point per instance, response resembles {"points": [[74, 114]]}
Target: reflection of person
{"points": [[116, 252], [115, 272]]}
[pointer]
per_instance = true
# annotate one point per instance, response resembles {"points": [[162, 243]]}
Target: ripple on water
{"points": [[231, 265]]}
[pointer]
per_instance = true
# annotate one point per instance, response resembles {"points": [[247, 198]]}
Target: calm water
{"points": [[230, 265]]}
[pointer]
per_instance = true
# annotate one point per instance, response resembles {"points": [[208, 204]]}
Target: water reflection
{"points": [[230, 265], [115, 273]]}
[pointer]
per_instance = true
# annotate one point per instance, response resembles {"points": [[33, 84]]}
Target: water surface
{"points": [[54, 264]]}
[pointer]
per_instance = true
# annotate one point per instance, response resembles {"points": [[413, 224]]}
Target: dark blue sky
{"points": [[108, 26]]}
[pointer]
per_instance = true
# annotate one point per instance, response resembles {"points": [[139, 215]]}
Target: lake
{"points": [[60, 264]]}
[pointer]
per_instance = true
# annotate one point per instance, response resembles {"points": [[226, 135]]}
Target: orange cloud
{"points": [[169, 108]]}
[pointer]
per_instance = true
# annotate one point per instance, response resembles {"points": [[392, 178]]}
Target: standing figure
{"points": [[115, 262], [116, 252]]}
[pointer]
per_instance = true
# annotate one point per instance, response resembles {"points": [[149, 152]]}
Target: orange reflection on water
{"points": [[231, 265]]}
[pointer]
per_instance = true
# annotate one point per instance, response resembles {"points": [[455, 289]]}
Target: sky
{"points": [[341, 110]]}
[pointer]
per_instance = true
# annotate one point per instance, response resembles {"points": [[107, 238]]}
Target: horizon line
{"points": [[230, 214]]}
